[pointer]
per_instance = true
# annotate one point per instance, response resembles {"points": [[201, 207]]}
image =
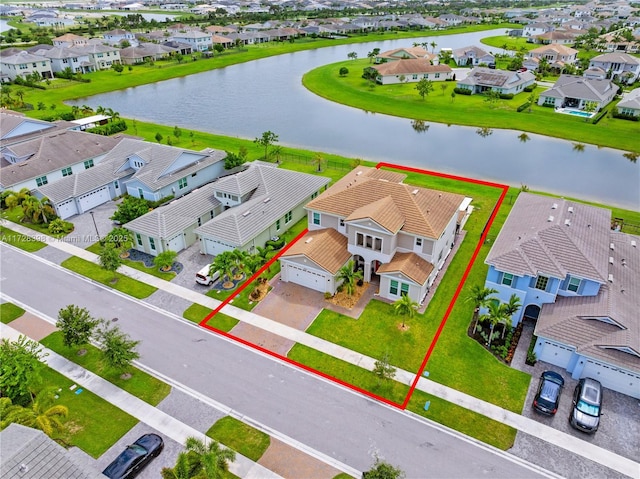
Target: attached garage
{"points": [[67, 209], [554, 353], [176, 243], [215, 247], [94, 198], [306, 277], [611, 377]]}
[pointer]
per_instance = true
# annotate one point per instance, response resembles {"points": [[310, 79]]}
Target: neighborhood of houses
{"points": [[575, 274]]}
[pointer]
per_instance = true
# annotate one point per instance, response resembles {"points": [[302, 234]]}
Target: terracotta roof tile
{"points": [[410, 264], [327, 248]]}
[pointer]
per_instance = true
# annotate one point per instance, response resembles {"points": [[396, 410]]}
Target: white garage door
{"points": [[95, 198], [215, 247], [67, 209], [176, 243], [611, 377], [555, 354], [307, 278]]}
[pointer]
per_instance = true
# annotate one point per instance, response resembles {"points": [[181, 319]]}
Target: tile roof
{"points": [[496, 78], [277, 192], [409, 264], [572, 320], [409, 52], [575, 86], [617, 57], [326, 247], [630, 100], [407, 67], [426, 212], [571, 238], [52, 152], [168, 220], [555, 47], [384, 212], [22, 57]]}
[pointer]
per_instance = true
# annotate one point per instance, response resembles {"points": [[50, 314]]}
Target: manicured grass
{"points": [[139, 265], [349, 373], [24, 242], [463, 420], [141, 384], [514, 44], [93, 424], [16, 215], [9, 312], [220, 321], [240, 437], [403, 100], [124, 284]]}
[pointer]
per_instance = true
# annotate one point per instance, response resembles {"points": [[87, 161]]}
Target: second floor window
{"points": [[42, 181], [182, 183], [368, 241], [67, 171], [507, 279], [88, 164], [574, 284], [542, 282]]}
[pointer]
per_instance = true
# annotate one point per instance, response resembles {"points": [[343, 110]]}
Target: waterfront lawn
{"points": [[9, 312], [24, 242], [473, 110], [196, 313], [141, 384], [123, 283], [93, 424], [504, 42], [242, 438]]}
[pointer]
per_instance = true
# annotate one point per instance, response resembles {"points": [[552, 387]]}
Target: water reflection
{"points": [[484, 131], [632, 157], [523, 137], [420, 126], [579, 147]]}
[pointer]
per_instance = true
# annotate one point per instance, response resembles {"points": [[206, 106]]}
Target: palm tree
{"points": [[211, 459], [223, 264], [349, 276], [405, 306], [240, 258], [182, 469], [38, 210], [480, 297], [511, 308], [433, 46], [42, 414], [496, 314]]}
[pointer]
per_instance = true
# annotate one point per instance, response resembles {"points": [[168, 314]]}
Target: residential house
{"points": [[537, 28], [145, 170], [573, 91], [617, 66], [69, 40], [29, 453], [117, 36], [630, 103], [560, 37], [451, 19], [145, 52], [24, 64], [472, 56], [16, 127], [557, 57], [410, 71], [579, 280], [62, 58], [101, 57], [259, 203], [504, 82], [199, 41], [404, 54], [397, 234]]}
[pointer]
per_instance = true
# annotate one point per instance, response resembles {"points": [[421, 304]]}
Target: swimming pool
{"points": [[584, 114]]}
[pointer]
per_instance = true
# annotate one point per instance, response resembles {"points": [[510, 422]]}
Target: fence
{"points": [[319, 164]]}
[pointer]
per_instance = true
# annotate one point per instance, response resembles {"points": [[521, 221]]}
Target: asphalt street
{"points": [[326, 417]]}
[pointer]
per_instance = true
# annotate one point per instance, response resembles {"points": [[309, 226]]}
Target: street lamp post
{"points": [[95, 225]]}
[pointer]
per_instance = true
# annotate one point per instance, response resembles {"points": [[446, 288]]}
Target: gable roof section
{"points": [[408, 67], [409, 264], [554, 47], [279, 191], [630, 100], [326, 247], [616, 57], [15, 125], [384, 212], [426, 212], [239, 184], [536, 238]]}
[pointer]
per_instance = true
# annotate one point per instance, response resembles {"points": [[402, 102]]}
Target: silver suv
{"points": [[587, 406]]}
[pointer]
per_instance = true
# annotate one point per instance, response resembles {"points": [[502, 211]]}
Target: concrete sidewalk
{"points": [[607, 458], [150, 415]]}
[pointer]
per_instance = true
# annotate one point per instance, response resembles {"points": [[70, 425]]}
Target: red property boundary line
{"points": [[412, 388]]}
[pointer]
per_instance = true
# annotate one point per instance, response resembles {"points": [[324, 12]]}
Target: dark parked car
{"points": [[587, 405], [135, 457], [548, 395]]}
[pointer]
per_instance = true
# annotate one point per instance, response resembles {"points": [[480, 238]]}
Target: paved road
{"points": [[326, 417]]}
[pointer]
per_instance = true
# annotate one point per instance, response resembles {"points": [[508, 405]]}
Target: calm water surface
{"points": [[247, 99]]}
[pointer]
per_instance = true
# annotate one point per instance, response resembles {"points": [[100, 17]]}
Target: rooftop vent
{"points": [[554, 206], [359, 173], [633, 243], [610, 278], [570, 209], [610, 259], [309, 240], [266, 200], [567, 222], [550, 218], [246, 213], [414, 192], [612, 246]]}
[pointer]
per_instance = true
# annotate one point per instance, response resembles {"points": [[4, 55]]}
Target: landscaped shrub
{"points": [[524, 106], [276, 245], [110, 128], [531, 87], [599, 116], [462, 91], [162, 201], [548, 105], [60, 226], [624, 116], [506, 96]]}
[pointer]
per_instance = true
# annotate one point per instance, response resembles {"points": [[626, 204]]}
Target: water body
{"points": [[245, 100]]}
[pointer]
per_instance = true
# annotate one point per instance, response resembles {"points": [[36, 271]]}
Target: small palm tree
{"points": [[165, 260], [182, 469], [349, 277], [480, 297], [405, 306], [510, 308], [42, 414], [223, 264], [212, 460], [496, 314]]}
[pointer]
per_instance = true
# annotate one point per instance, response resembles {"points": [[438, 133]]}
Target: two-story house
{"points": [[472, 56], [199, 41], [616, 66], [557, 56], [397, 234], [25, 64], [579, 280]]}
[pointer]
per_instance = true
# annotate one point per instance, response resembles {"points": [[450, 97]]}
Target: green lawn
{"points": [[220, 321], [24, 242], [403, 100], [123, 284], [139, 265], [93, 424], [505, 42], [9, 312], [240, 437], [141, 384]]}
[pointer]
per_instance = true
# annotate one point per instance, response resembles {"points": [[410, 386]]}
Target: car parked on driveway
{"points": [[587, 406], [135, 457], [547, 397]]}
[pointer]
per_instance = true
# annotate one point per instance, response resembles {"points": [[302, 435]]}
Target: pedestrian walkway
{"points": [[150, 415], [573, 444]]}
